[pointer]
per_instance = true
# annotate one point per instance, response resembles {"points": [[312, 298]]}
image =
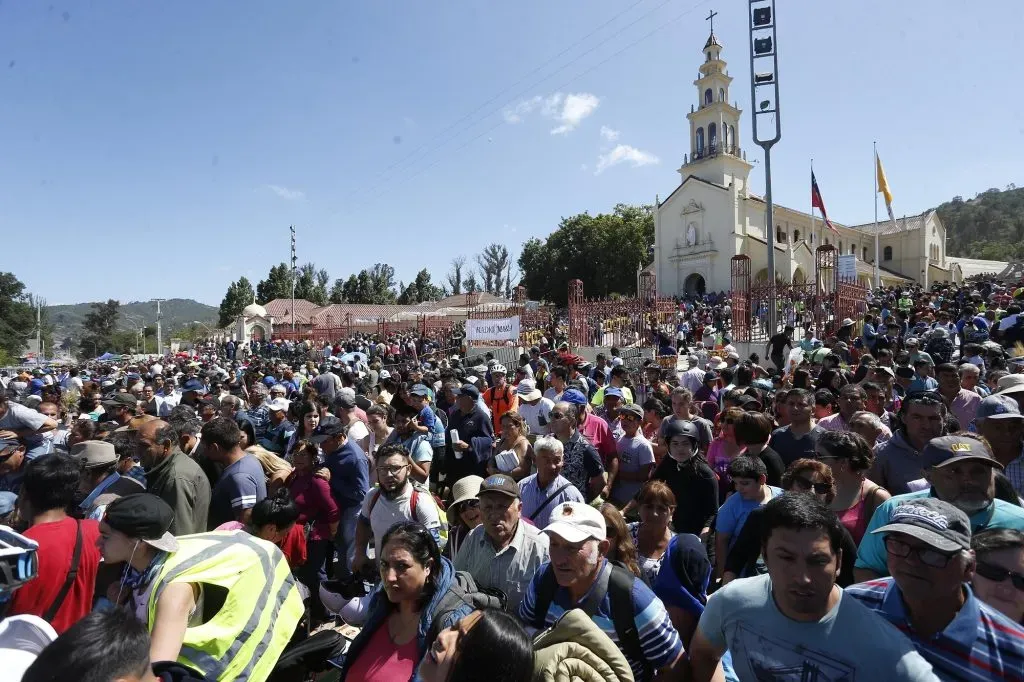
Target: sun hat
{"points": [[466, 488], [527, 390]]}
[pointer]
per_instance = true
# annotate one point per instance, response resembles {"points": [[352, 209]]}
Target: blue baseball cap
{"points": [[8, 501], [613, 392], [193, 385], [574, 397], [419, 389], [998, 407]]}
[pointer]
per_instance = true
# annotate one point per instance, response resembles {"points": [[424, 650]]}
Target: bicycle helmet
{"points": [[682, 427]]}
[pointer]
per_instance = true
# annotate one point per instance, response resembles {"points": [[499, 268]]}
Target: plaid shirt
{"points": [[1015, 472], [978, 644]]}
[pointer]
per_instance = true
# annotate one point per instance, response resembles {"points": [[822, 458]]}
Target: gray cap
{"points": [[946, 450], [933, 521]]}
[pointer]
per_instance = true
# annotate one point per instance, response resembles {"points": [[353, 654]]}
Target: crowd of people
{"points": [[850, 508]]}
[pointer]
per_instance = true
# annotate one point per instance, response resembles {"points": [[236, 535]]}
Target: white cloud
{"points": [[609, 134], [516, 113], [286, 193], [624, 153], [568, 110], [575, 108]]}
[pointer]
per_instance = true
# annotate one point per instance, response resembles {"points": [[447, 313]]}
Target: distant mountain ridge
{"points": [[176, 312]]}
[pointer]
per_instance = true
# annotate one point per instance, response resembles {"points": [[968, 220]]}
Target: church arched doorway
{"points": [[258, 333], [799, 276], [695, 285]]}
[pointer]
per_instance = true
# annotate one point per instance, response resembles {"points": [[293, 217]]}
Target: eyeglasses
{"points": [[470, 504], [391, 470], [630, 418], [557, 415], [999, 574], [926, 555]]}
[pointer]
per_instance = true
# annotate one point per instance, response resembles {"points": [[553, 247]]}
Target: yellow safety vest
{"points": [[261, 610]]}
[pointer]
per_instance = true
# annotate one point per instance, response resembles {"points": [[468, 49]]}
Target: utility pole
{"points": [[39, 333], [764, 51], [159, 335], [142, 334], [294, 261]]}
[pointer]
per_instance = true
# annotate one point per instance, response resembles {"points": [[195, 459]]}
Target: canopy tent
{"points": [[106, 357]]}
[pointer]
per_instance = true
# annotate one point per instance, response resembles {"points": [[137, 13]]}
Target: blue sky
{"points": [[162, 149]]}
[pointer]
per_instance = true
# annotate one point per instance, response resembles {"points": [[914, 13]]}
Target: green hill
{"points": [[989, 226], [176, 312]]}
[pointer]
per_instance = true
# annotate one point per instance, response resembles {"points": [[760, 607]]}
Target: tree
{"points": [[603, 250], [17, 319], [493, 261], [238, 296], [420, 289], [455, 276], [278, 284], [471, 285], [337, 294], [99, 327]]}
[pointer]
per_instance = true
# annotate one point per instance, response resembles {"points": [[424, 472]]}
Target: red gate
{"points": [[620, 322], [740, 300]]}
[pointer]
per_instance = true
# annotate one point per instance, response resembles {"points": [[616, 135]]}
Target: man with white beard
{"points": [[579, 575]]}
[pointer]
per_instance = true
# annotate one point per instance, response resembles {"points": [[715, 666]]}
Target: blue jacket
{"points": [[380, 608]]}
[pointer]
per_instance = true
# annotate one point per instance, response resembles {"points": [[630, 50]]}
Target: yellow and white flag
{"points": [[883, 187]]}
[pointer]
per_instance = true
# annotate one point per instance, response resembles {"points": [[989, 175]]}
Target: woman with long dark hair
{"points": [[400, 627], [307, 419], [488, 640], [319, 511]]}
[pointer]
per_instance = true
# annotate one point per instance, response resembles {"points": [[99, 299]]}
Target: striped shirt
{"points": [[978, 644], [658, 637]]}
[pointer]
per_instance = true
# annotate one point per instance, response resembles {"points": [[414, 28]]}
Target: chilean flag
{"points": [[816, 202]]}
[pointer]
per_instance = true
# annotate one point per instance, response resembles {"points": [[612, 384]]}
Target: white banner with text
{"points": [[501, 329]]}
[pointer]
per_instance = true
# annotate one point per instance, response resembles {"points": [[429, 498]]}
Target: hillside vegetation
{"points": [[989, 226]]}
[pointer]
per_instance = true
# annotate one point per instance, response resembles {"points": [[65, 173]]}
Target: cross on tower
{"points": [[711, 17]]}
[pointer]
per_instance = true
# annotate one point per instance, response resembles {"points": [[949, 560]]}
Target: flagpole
{"points": [[812, 207], [878, 277]]}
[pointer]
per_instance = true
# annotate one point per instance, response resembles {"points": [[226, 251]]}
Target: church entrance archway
{"points": [[258, 333], [695, 285], [799, 277]]}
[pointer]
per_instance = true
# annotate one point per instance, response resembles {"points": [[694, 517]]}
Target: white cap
{"points": [[22, 638], [576, 521], [278, 405], [384, 374]]}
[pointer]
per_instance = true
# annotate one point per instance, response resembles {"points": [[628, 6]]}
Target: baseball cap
{"points": [[145, 517], [632, 409], [419, 389], [613, 391], [384, 374], [710, 375], [277, 405], [527, 390], [500, 483], [121, 400], [574, 397], [952, 449], [933, 521], [470, 390], [193, 385], [998, 407], [577, 521], [94, 453], [887, 370], [327, 431], [344, 400]]}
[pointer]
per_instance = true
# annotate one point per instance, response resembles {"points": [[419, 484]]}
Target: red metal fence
{"points": [[619, 321], [820, 304]]}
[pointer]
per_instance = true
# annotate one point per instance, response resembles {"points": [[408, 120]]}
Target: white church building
{"points": [[712, 215]]}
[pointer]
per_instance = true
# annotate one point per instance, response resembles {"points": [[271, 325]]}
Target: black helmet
{"points": [[682, 427]]}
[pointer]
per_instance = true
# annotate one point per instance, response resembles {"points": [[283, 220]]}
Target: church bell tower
{"points": [[715, 153]]}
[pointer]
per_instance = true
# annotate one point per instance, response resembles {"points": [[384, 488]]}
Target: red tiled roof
{"points": [[281, 310]]}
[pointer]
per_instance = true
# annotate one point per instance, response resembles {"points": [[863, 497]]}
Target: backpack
{"points": [[418, 488], [620, 592], [462, 591]]}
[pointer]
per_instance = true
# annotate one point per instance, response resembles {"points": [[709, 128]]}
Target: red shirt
{"points": [[294, 546], [56, 547]]}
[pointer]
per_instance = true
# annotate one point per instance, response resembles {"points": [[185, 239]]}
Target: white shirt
{"points": [[535, 414]]}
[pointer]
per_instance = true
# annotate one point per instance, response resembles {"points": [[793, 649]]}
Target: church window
{"points": [[732, 138], [840, 246], [780, 237], [796, 235], [707, 96], [887, 253], [721, 94], [853, 249], [864, 256], [700, 141], [712, 134]]}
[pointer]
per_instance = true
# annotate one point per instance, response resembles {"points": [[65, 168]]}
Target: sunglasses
{"points": [[557, 415], [808, 484], [999, 574], [926, 555]]}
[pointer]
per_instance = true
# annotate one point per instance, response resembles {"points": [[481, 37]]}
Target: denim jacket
{"points": [[380, 608]]}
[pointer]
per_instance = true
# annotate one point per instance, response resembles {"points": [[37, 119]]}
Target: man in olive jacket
{"points": [[174, 477]]}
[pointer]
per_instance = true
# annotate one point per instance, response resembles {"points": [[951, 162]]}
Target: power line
{"points": [[564, 84], [382, 175]]}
